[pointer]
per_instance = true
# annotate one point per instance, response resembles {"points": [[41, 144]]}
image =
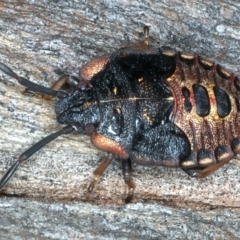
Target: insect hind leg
{"points": [[206, 171]]}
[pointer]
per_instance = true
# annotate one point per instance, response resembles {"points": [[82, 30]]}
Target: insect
{"points": [[153, 106]]}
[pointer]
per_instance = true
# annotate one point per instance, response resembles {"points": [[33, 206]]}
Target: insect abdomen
{"points": [[206, 108]]}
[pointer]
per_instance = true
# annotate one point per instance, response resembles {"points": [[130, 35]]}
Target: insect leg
{"points": [[144, 45], [204, 172], [126, 170], [64, 80], [28, 153], [192, 172], [31, 85], [212, 168], [146, 35], [100, 170]]}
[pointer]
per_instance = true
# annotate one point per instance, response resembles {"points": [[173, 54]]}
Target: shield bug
{"points": [[153, 106]]}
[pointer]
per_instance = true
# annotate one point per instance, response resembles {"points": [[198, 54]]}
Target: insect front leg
{"points": [[65, 82], [126, 170], [100, 170]]}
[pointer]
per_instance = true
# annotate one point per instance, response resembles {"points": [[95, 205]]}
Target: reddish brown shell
{"points": [[213, 138]]}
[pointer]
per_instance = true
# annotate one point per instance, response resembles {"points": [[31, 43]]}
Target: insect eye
{"points": [[89, 129]]}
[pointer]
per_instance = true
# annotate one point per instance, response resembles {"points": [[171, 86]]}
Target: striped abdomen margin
{"points": [[206, 108]]}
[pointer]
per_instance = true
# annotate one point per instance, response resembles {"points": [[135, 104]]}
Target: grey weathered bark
{"points": [[41, 40]]}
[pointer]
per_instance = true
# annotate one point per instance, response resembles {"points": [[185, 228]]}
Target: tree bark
{"points": [[41, 40]]}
